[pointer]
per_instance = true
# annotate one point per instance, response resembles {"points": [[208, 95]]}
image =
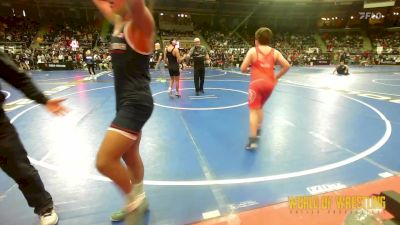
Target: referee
{"points": [[199, 54], [158, 58]]}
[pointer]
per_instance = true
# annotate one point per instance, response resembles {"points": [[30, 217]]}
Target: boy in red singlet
{"points": [[263, 79]]}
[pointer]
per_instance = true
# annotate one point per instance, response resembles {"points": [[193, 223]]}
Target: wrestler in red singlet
{"points": [[263, 79]]}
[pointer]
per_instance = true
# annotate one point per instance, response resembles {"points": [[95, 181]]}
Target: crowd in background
{"points": [[29, 47], [63, 34], [18, 29], [31, 59], [389, 41], [352, 42], [226, 49], [218, 39], [175, 33]]}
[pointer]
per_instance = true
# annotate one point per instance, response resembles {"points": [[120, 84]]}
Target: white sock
{"points": [[135, 198], [138, 188]]}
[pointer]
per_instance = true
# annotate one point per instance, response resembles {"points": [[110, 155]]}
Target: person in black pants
{"points": [[343, 58], [199, 54], [13, 156]]}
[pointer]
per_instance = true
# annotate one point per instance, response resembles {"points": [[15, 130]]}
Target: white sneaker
{"points": [[138, 212], [49, 218], [140, 203]]}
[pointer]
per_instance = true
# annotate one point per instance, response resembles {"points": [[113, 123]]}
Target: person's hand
{"points": [[54, 106]]}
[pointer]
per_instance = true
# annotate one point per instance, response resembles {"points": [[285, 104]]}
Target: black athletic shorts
{"points": [[131, 117], [174, 72]]}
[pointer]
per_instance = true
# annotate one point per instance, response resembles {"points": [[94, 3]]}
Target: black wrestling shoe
{"points": [[253, 144]]}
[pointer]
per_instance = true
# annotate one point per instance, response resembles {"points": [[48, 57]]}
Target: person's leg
{"points": [[157, 70], [134, 163], [171, 84], [126, 132], [90, 72], [202, 76], [196, 80], [256, 102], [93, 72], [108, 162], [129, 177], [254, 118], [177, 86], [260, 115], [92, 66], [254, 122], [136, 200], [171, 81], [15, 163], [162, 68]]}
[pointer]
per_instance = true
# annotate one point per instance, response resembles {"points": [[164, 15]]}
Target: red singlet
{"points": [[263, 79]]}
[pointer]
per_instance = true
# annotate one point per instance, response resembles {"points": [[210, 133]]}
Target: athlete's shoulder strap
{"points": [[272, 52], [128, 31]]}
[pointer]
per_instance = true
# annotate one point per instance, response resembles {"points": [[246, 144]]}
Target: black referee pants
{"points": [[15, 163], [91, 69], [199, 74]]}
